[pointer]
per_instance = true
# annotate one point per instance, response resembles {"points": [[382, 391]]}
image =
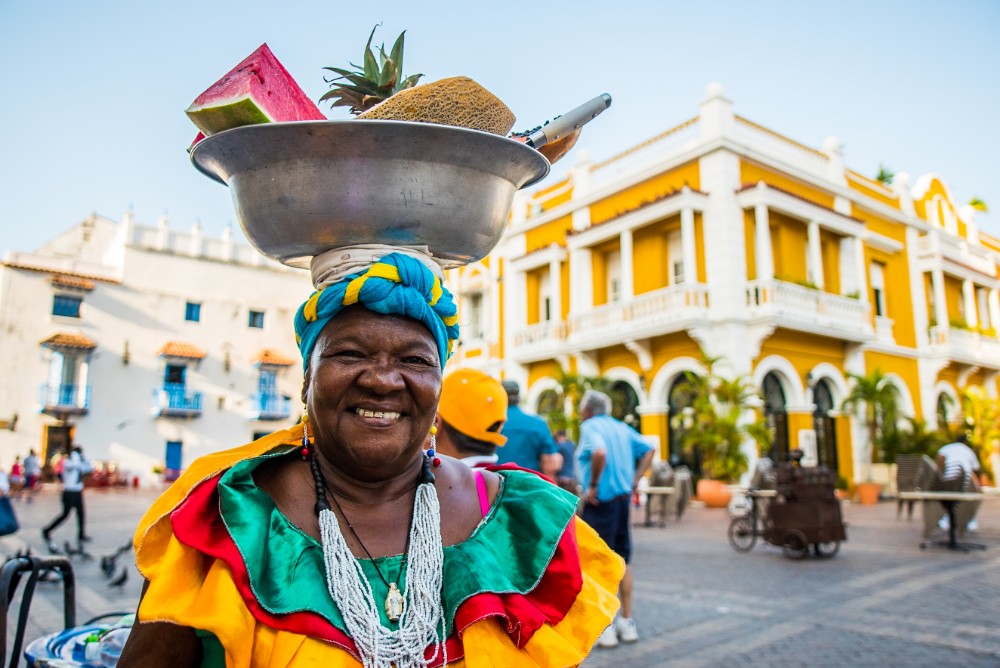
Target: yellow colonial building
{"points": [[722, 236]]}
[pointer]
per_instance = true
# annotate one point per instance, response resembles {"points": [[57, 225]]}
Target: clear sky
{"points": [[95, 92]]}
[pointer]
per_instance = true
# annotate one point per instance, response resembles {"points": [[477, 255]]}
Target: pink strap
{"points": [[484, 499]]}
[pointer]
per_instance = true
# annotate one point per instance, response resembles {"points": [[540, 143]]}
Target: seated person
{"points": [[959, 465]]}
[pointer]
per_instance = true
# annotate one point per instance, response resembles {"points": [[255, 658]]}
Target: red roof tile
{"points": [[271, 357], [180, 349], [69, 340], [70, 281]]}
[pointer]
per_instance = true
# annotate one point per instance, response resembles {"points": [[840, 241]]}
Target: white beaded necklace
{"points": [[422, 613]]}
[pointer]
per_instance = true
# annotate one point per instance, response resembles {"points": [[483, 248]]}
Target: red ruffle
{"points": [[197, 523]]}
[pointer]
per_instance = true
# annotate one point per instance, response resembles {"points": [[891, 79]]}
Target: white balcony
{"points": [[883, 329], [966, 346], [797, 307], [539, 341], [662, 311]]}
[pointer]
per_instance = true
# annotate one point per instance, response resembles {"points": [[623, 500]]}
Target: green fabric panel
{"points": [[212, 653], [508, 552]]}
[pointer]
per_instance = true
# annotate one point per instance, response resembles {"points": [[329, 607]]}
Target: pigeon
{"points": [[109, 561], [120, 579]]}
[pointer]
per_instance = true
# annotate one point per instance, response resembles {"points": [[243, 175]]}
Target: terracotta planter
{"points": [[868, 492], [713, 493]]}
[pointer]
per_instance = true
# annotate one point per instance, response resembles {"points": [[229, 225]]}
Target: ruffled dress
{"points": [[532, 586]]}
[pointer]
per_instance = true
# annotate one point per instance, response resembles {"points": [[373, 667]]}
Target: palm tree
{"points": [[979, 205], [885, 175], [714, 424], [878, 396]]}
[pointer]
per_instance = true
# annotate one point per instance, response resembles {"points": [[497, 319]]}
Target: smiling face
{"points": [[371, 390]]}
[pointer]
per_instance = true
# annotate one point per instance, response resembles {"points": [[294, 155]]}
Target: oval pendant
{"points": [[393, 603]]}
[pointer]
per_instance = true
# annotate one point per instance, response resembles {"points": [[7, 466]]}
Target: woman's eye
{"points": [[350, 354], [417, 359]]}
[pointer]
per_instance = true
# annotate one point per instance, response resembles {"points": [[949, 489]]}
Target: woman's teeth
{"points": [[391, 415]]}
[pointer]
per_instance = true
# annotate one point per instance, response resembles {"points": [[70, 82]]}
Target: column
{"points": [[555, 289], [994, 306], [581, 283], [814, 257], [860, 270], [688, 253], [82, 378], [969, 297], [628, 285], [940, 301], [762, 244]]}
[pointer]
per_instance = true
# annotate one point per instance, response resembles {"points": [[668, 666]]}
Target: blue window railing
{"points": [[173, 399], [63, 396], [270, 406]]}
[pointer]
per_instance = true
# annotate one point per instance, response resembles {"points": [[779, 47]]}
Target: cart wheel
{"points": [[794, 544], [741, 534], [828, 549]]}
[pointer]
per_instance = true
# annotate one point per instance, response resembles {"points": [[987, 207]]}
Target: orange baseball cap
{"points": [[472, 402]]}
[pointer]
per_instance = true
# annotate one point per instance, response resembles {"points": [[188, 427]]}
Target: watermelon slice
{"points": [[258, 90]]}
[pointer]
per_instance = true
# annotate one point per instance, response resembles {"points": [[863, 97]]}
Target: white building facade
{"points": [[147, 346]]}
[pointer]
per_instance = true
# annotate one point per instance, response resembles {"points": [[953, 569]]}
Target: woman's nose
{"points": [[381, 377]]}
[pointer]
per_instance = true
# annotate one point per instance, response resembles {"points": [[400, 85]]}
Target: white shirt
{"points": [[74, 467], [959, 460]]}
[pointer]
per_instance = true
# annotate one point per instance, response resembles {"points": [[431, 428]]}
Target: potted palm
{"points": [[715, 428], [873, 394]]}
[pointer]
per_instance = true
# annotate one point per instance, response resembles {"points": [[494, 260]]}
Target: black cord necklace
{"points": [[394, 600]]}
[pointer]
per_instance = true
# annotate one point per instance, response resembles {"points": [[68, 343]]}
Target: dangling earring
{"points": [[431, 451], [305, 436]]}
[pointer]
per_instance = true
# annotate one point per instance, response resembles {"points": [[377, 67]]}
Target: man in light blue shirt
{"points": [[612, 458]]}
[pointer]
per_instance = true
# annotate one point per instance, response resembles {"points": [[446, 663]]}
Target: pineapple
{"points": [[382, 93], [374, 82]]}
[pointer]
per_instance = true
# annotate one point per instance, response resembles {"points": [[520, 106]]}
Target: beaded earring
{"points": [[431, 451], [305, 436]]}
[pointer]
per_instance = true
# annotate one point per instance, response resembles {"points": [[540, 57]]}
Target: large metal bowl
{"points": [[305, 187]]}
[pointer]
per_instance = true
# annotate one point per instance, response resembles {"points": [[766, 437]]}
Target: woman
{"points": [[343, 541]]}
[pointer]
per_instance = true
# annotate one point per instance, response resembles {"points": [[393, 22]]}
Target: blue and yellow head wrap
{"points": [[395, 285]]}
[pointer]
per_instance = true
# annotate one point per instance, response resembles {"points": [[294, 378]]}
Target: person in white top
{"points": [[958, 461], [74, 468]]}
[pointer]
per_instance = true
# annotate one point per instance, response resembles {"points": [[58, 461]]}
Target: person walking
{"points": [[32, 474], [529, 443], [471, 412], [612, 457], [566, 478], [74, 468]]}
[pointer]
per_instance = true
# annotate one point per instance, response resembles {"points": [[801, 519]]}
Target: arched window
{"points": [[825, 426], [624, 402], [776, 417], [945, 408], [679, 398]]}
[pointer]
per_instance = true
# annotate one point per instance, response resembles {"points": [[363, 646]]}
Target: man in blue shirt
{"points": [[612, 458], [529, 443]]}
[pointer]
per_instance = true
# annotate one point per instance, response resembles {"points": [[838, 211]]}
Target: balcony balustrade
{"points": [[174, 400], [270, 407], [650, 314], [63, 398], [966, 346], [798, 307]]}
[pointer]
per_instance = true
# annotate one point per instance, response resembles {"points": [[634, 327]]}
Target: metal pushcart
{"points": [[802, 511]]}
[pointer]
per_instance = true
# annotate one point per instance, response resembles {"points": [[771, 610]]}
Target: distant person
{"points": [[529, 443], [32, 474], [17, 477], [957, 461], [566, 478], [612, 457], [471, 412], [74, 468]]}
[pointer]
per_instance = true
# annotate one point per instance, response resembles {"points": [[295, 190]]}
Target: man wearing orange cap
{"points": [[471, 412]]}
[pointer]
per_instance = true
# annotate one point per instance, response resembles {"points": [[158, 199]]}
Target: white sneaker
{"points": [[609, 638], [972, 527], [626, 629]]}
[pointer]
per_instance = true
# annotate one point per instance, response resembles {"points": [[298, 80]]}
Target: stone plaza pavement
{"points": [[882, 601]]}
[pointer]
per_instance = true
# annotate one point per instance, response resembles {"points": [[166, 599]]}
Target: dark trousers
{"points": [[70, 501]]}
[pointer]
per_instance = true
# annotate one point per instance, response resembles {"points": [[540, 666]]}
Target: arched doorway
{"points": [[679, 398], [624, 403], [825, 426], [945, 408], [776, 417]]}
